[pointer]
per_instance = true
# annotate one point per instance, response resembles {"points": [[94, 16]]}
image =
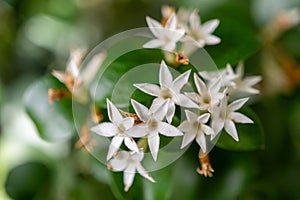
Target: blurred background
{"points": [[35, 37]]}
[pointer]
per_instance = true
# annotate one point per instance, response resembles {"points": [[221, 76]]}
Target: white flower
{"points": [[129, 163], [152, 125], [194, 127], [75, 79], [116, 128], [166, 36], [209, 96], [198, 34], [240, 84], [224, 116], [169, 90]]}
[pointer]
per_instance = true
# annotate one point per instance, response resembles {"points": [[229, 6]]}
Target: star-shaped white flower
{"points": [[169, 90], [117, 129], [129, 163], [194, 128], [224, 116], [207, 97], [152, 125], [240, 84], [166, 35], [198, 34]]}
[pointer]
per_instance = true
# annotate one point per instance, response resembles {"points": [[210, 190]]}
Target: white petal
{"points": [[184, 101], [195, 20], [237, 104], [187, 139], [190, 116], [169, 130], [252, 80], [144, 173], [231, 129], [61, 76], [240, 118], [165, 76], [207, 130], [212, 40], [148, 88], [153, 142], [185, 126], [140, 110], [105, 129], [171, 111], [114, 146], [215, 86], [155, 27], [89, 72], [170, 46], [155, 43], [130, 143], [192, 95], [172, 22], [137, 131], [200, 85], [113, 113], [119, 163], [203, 118], [129, 174], [210, 26], [161, 111], [180, 81], [126, 123], [201, 141], [217, 125]]}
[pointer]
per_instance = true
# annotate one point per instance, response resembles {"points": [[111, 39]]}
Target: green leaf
{"points": [[239, 39], [250, 135], [53, 121], [27, 180]]}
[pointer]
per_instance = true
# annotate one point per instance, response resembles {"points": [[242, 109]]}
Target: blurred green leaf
{"points": [[239, 39], [27, 180], [53, 121], [251, 136], [119, 76]]}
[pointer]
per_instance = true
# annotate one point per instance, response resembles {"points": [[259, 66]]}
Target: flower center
{"points": [[206, 98], [152, 124], [166, 93]]}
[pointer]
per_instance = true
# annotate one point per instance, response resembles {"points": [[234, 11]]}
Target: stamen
{"points": [[206, 168], [56, 94], [181, 58], [134, 116]]}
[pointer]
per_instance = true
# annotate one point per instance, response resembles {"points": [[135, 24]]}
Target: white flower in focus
{"points": [[224, 116], [243, 85], [129, 163], [209, 96], [117, 129], [152, 125], [198, 34], [169, 90], [166, 35], [194, 128]]}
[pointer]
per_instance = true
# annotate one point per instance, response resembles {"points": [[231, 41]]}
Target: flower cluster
{"points": [[184, 28], [207, 112]]}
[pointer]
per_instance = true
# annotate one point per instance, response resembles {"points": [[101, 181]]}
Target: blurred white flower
{"points": [[194, 128], [167, 35], [117, 129], [169, 90], [152, 125], [198, 35], [129, 163], [239, 83], [224, 116], [75, 79], [207, 97]]}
